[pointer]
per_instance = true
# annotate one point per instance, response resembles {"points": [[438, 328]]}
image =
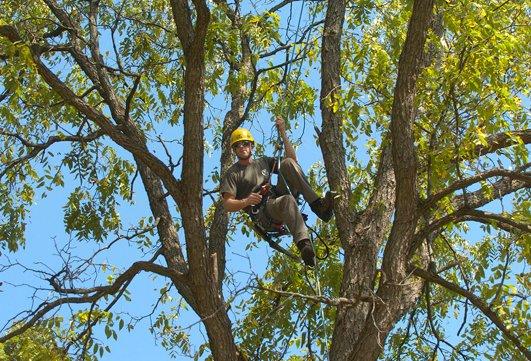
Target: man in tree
{"points": [[241, 189]]}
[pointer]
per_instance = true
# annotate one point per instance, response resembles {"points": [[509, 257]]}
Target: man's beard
{"points": [[244, 158]]}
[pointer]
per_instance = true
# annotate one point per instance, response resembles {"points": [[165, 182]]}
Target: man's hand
{"points": [[281, 124], [253, 199], [231, 204]]}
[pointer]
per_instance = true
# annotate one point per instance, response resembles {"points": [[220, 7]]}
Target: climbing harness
{"points": [[270, 235], [273, 231]]}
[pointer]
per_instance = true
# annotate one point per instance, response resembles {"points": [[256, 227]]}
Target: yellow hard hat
{"points": [[239, 135]]}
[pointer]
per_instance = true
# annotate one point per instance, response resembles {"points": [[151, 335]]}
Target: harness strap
{"points": [[278, 247], [269, 239]]}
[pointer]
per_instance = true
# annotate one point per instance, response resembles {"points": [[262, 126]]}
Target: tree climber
{"points": [[243, 182]]}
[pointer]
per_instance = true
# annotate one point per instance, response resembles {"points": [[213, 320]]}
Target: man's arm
{"points": [[231, 204], [288, 148]]}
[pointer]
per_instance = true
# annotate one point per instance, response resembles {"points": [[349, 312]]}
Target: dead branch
{"points": [[337, 301], [37, 148], [102, 291]]}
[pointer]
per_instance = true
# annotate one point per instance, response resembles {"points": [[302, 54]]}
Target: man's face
{"points": [[243, 149]]}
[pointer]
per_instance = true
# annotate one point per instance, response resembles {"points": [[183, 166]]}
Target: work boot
{"points": [[307, 253], [323, 207]]}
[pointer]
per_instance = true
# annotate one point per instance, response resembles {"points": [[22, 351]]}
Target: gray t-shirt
{"points": [[241, 180]]}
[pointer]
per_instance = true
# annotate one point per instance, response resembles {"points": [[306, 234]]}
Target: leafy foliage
{"points": [[38, 344], [474, 85]]}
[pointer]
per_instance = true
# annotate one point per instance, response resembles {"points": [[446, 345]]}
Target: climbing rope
{"points": [[289, 62], [277, 154], [317, 289], [321, 307], [318, 236]]}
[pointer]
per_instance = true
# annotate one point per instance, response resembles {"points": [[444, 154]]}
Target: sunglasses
{"points": [[242, 144]]}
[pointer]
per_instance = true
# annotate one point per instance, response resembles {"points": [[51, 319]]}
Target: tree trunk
{"points": [[397, 290], [202, 276], [360, 331], [359, 270]]}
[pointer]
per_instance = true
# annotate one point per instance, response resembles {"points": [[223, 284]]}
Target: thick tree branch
{"points": [[403, 148], [182, 16], [331, 137], [462, 183], [201, 24], [497, 220], [402, 115], [202, 265], [503, 140], [481, 197], [94, 35], [193, 44], [476, 301], [359, 266]]}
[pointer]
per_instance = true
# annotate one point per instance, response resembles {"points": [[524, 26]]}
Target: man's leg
{"points": [[291, 172], [296, 180], [284, 209]]}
